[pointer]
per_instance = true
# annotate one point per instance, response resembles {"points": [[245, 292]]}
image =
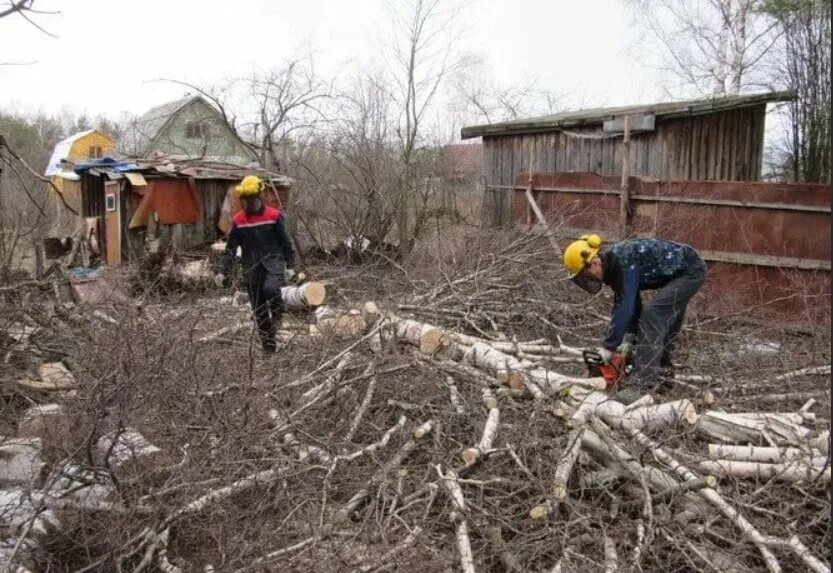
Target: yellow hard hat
{"points": [[251, 186], [581, 252]]}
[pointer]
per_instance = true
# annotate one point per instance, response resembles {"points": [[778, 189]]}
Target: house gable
{"points": [[190, 128]]}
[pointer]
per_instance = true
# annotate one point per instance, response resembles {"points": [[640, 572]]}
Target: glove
{"points": [[220, 280], [290, 274], [605, 354], [627, 346]]}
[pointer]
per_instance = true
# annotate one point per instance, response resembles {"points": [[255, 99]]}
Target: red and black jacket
{"points": [[263, 240]]}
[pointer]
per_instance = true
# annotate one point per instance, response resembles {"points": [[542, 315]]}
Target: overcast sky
{"points": [[108, 53]]}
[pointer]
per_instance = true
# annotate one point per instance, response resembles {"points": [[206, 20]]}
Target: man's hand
{"points": [[220, 280], [289, 274], [627, 346], [605, 354]]}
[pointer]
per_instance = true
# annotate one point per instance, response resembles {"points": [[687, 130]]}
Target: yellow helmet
{"points": [[251, 186], [581, 252]]}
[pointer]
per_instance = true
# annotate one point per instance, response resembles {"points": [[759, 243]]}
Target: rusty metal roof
{"points": [[589, 117], [162, 165]]}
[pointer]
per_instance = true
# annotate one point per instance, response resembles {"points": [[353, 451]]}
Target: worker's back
{"points": [[658, 260]]}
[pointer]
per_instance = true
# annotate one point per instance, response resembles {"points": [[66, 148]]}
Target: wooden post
{"points": [[530, 198], [626, 164]]}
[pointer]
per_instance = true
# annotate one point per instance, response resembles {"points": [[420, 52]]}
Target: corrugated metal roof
{"points": [[174, 166], [61, 152], [598, 116]]}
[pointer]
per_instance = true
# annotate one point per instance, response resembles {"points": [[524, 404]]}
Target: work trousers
{"points": [[660, 322], [264, 286]]}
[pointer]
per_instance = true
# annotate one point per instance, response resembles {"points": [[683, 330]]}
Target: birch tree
{"points": [[707, 46]]}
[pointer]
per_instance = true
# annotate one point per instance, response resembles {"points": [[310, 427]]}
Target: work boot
{"points": [[269, 346]]}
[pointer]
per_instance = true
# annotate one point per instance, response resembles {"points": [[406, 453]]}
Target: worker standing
{"points": [[267, 257], [674, 270]]}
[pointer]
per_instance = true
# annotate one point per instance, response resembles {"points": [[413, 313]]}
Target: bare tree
{"points": [[288, 99], [708, 46], [802, 63], [477, 97], [423, 55], [26, 10]]}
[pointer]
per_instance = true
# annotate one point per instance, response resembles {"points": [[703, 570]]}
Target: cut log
{"points": [[732, 429], [551, 382], [309, 294], [428, 338], [455, 492], [118, 449], [795, 471], [54, 376], [504, 367], [472, 455], [650, 418], [454, 396], [565, 464], [754, 453], [749, 531], [342, 324]]}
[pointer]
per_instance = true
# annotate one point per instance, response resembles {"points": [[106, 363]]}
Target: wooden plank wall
{"points": [[775, 292], [725, 146]]}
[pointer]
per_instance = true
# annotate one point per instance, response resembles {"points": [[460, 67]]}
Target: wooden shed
{"points": [[190, 202], [709, 139]]}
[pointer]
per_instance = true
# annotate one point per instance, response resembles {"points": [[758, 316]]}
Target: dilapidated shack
{"points": [[183, 202], [719, 138]]}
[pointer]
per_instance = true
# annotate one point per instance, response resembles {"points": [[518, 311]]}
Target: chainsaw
{"points": [[614, 372]]}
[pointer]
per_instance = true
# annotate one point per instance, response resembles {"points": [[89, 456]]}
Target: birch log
{"points": [[754, 453], [565, 465], [340, 323], [732, 429], [306, 295], [749, 531], [472, 455], [117, 449], [455, 492], [504, 367], [795, 471], [650, 418], [428, 338]]}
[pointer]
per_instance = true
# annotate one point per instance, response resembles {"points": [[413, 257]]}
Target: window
{"points": [[110, 202], [95, 151], [197, 130]]}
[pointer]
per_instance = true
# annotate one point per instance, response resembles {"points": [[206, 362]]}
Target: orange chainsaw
{"points": [[614, 372]]}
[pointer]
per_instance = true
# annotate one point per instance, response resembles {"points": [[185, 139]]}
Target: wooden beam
{"points": [[685, 200], [765, 260], [729, 203], [624, 203]]}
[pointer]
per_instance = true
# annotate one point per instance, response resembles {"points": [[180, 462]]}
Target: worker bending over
{"points": [[676, 271], [258, 230]]}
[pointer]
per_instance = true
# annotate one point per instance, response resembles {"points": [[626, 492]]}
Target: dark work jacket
{"points": [[635, 265], [262, 238]]}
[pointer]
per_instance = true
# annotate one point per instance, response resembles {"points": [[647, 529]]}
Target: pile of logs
{"points": [[415, 436]]}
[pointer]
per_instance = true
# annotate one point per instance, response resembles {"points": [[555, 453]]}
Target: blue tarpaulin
{"points": [[105, 163]]}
